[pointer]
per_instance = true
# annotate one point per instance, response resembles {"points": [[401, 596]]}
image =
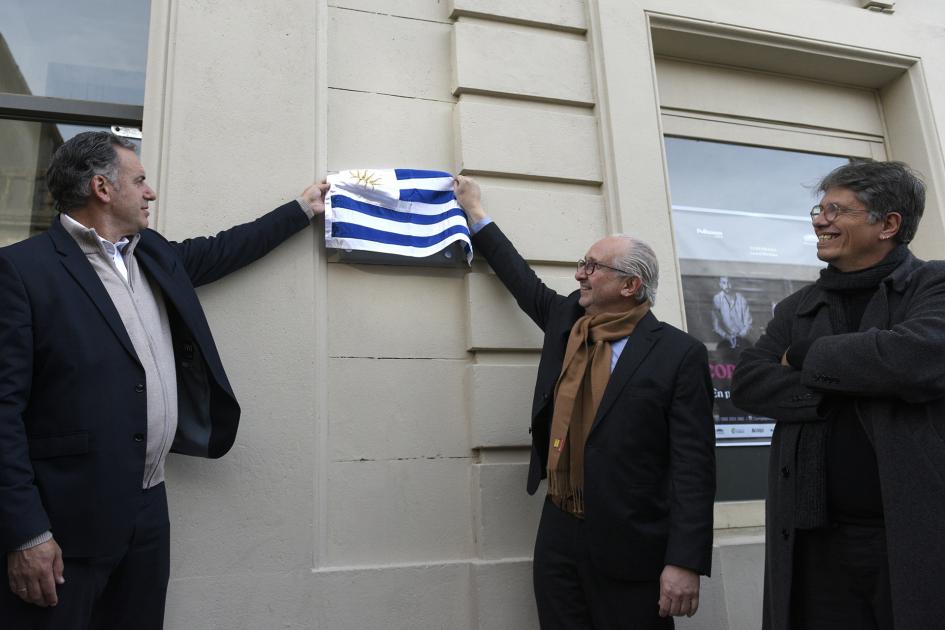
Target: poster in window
{"points": [[744, 241], [735, 269]]}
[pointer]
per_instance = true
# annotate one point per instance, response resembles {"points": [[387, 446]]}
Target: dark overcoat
{"points": [[894, 367]]}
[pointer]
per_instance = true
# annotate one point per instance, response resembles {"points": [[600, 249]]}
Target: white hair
{"points": [[638, 259]]}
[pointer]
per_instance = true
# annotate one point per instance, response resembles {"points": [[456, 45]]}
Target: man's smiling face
{"points": [[850, 242], [606, 290]]}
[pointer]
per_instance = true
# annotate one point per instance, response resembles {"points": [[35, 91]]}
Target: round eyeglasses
{"points": [[831, 211], [590, 266]]}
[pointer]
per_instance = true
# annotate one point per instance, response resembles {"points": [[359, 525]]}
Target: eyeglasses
{"points": [[831, 211], [590, 266]]}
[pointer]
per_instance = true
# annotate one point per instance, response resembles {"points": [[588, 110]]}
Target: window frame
{"points": [[48, 109]]}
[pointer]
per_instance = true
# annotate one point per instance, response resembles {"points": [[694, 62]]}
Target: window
{"points": [[65, 67], [744, 150], [744, 242]]}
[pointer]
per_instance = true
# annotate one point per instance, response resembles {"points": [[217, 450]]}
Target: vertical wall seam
{"points": [[320, 449], [157, 114]]}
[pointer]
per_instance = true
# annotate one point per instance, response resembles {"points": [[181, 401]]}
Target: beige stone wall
{"points": [[230, 133], [378, 477]]}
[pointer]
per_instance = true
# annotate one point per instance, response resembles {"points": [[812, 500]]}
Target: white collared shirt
{"points": [[616, 348], [115, 251]]}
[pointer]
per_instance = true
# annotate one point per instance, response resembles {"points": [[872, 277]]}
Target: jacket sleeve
{"points": [[764, 387], [533, 297], [903, 362], [207, 259], [22, 515], [692, 464]]}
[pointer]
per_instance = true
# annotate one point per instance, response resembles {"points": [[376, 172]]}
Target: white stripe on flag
{"points": [[349, 244]]}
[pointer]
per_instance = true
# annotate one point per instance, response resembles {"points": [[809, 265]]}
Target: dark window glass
{"points": [[64, 65], [744, 240], [90, 50], [25, 205]]}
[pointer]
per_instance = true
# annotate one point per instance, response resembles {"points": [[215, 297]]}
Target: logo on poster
{"points": [[710, 233]]}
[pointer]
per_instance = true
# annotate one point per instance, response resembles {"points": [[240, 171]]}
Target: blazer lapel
{"points": [[78, 266], [641, 341], [156, 271], [176, 294]]}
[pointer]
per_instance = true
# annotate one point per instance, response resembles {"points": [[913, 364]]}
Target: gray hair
{"points": [[638, 259], [77, 161], [882, 187]]}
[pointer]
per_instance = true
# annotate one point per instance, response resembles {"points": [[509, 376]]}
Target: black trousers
{"points": [[118, 592], [572, 595], [841, 579]]}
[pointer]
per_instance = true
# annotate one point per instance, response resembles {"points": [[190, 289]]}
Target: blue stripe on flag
{"points": [[341, 201], [350, 230], [426, 196], [409, 173]]}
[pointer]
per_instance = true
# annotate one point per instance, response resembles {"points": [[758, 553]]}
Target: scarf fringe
{"points": [[564, 494]]}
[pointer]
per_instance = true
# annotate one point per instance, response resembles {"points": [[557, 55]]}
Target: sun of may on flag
{"points": [[395, 211]]}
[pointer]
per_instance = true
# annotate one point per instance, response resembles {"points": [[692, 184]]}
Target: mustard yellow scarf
{"points": [[584, 376]]}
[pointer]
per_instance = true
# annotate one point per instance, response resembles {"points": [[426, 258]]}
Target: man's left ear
{"points": [[891, 224], [631, 286], [100, 189]]}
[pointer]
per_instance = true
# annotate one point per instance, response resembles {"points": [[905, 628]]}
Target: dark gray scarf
{"points": [[811, 508]]}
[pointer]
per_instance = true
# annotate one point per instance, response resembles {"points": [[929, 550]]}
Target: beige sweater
{"points": [[140, 304]]}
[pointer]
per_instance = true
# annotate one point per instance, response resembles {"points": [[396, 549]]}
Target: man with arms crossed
{"points": [[622, 428], [852, 369], [106, 364]]}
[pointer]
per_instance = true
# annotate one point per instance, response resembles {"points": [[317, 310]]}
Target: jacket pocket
{"points": [[59, 445]]}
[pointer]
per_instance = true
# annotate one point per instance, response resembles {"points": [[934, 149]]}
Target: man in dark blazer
{"points": [[622, 427], [106, 364]]}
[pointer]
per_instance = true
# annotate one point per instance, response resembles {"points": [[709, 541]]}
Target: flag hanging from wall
{"points": [[394, 211]]}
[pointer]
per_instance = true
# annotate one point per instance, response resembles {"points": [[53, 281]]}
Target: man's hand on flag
{"points": [[314, 196], [469, 196]]}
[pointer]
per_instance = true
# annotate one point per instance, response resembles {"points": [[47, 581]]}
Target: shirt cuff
{"points": [[33, 542], [307, 209], [798, 352], [478, 225]]}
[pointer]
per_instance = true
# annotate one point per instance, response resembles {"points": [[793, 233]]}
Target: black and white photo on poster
{"points": [[728, 314]]}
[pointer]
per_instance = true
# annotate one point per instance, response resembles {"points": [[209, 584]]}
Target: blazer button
{"points": [[785, 534], [139, 437], [785, 472], [139, 387]]}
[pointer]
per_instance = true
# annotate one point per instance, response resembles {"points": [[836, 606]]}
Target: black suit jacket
{"points": [[73, 416], [649, 462]]}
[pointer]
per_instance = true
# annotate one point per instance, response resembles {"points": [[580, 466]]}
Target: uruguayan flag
{"points": [[395, 211]]}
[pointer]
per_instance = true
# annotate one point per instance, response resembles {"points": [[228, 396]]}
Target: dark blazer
{"points": [[649, 466], [72, 392]]}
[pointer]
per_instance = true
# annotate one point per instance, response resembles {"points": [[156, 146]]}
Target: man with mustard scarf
{"points": [[622, 428]]}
